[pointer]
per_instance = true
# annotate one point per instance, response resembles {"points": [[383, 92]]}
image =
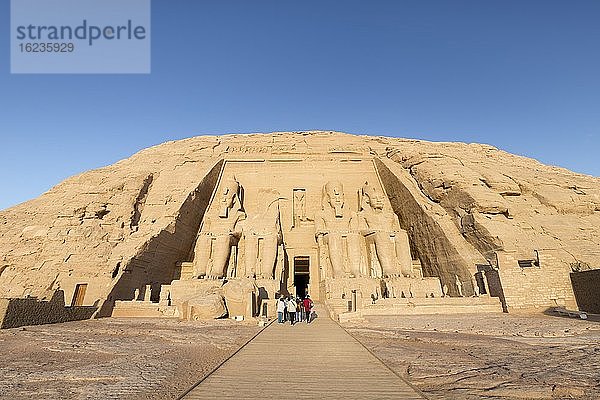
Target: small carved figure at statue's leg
{"points": [[459, 285]]}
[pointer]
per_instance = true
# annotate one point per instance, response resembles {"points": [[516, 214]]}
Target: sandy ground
{"points": [[114, 358], [499, 356]]}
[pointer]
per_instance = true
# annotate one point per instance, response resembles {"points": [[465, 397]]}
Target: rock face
{"points": [[467, 209]]}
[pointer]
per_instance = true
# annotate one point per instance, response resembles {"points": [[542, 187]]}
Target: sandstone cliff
{"points": [[132, 221]]}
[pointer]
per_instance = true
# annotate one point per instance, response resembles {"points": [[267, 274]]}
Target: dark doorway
{"points": [[79, 294], [301, 275], [586, 287], [486, 274]]}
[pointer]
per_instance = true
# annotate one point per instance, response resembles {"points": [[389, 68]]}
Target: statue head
{"points": [[230, 194], [333, 194], [370, 196], [267, 199]]}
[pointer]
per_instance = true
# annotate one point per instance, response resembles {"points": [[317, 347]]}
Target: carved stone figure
{"points": [[382, 228], [476, 289], [147, 293], [219, 233], [209, 306], [459, 286], [334, 223], [165, 295], [240, 297], [262, 235], [299, 206]]}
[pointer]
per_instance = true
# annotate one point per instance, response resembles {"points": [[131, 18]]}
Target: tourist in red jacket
{"points": [[308, 305]]}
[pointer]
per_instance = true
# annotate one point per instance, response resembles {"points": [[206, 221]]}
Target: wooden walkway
{"points": [[305, 361]]}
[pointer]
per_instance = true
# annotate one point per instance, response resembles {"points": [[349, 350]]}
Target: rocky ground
{"points": [[500, 356], [114, 358], [495, 356]]}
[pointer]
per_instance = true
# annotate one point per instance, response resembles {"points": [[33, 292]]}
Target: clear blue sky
{"points": [[521, 75]]}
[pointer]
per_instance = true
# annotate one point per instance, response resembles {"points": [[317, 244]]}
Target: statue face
{"points": [[228, 193], [373, 197], [335, 196], [227, 196], [267, 197]]}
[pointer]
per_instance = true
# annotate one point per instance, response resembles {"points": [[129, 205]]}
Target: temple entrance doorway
{"points": [[301, 275]]}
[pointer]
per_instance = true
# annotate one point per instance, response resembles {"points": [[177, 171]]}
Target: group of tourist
{"points": [[294, 309]]}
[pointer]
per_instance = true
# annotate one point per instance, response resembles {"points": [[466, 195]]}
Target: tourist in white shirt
{"points": [[291, 309], [281, 305]]}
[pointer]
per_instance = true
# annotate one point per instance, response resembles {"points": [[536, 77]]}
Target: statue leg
{"points": [[251, 255], [354, 253], [221, 256], [336, 255], [385, 254], [403, 253], [269, 256], [201, 256], [280, 265], [324, 257]]}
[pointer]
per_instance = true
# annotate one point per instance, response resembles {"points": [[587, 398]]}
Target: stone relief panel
{"points": [[299, 207]]}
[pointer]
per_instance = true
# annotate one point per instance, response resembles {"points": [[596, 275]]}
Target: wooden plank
{"points": [[304, 361]]}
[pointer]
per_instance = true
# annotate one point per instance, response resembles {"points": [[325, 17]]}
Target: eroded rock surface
{"points": [[114, 358], [499, 356]]}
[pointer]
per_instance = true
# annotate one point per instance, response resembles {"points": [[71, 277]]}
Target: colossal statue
{"points": [[219, 233], [334, 223], [382, 228], [262, 236]]}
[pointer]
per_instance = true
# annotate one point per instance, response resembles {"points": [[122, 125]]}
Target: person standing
{"points": [[299, 305], [291, 309], [308, 305], [280, 310], [302, 311]]}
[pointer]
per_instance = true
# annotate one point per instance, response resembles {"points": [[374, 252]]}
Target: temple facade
{"points": [[287, 226]]}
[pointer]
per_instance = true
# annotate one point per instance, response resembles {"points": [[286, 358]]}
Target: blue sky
{"points": [[521, 75]]}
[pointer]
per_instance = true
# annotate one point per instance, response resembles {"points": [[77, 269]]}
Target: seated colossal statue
{"points": [[333, 223], [220, 231], [262, 236], [382, 228]]}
